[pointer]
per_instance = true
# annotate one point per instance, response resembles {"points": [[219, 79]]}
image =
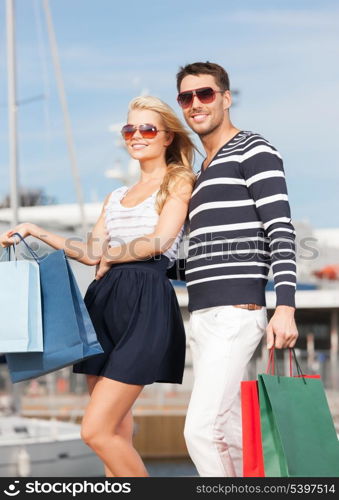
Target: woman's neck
{"points": [[152, 171]]}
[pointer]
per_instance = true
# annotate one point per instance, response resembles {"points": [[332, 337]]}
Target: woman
{"points": [[131, 302]]}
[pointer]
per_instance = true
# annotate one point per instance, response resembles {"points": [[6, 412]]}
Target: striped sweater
{"points": [[240, 227]]}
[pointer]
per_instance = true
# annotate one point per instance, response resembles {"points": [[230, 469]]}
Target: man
{"points": [[240, 227]]}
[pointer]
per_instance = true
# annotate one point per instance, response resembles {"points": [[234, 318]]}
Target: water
{"points": [[175, 467]]}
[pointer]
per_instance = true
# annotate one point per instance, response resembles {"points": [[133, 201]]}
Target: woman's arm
{"points": [[89, 252], [171, 219]]}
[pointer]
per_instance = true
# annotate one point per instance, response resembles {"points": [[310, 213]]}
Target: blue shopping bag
{"points": [[69, 335], [20, 306]]}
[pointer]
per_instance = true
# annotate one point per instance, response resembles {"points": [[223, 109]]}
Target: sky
{"points": [[281, 55]]}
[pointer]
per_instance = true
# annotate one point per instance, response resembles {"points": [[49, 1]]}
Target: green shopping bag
{"points": [[298, 435]]}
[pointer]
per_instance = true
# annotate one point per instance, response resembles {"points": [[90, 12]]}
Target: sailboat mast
{"points": [[67, 120], [12, 110]]}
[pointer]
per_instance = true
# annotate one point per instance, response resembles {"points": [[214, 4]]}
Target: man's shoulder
{"points": [[247, 138], [247, 144]]}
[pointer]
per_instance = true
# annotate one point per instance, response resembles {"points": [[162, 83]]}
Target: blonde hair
{"points": [[179, 154]]}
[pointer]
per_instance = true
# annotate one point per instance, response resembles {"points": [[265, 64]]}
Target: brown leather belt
{"points": [[251, 307]]}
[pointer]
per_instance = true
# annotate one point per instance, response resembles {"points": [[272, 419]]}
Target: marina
{"points": [[159, 413], [60, 398], [40, 418]]}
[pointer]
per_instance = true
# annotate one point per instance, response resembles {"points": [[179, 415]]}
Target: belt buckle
{"points": [[249, 307]]}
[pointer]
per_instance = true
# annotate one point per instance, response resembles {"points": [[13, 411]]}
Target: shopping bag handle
{"points": [[299, 370], [8, 253], [292, 355], [270, 365], [31, 251]]}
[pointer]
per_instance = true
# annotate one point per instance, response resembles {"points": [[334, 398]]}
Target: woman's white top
{"points": [[125, 224]]}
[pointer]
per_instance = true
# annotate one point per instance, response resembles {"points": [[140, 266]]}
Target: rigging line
{"points": [[3, 68], [28, 100], [45, 75], [66, 116]]}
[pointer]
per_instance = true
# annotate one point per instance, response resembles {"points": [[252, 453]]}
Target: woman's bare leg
{"points": [[110, 403], [126, 427]]}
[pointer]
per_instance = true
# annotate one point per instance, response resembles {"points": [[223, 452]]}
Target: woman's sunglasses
{"points": [[147, 131], [205, 95]]}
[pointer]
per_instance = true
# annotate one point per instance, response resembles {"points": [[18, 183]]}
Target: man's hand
{"points": [[282, 331], [103, 268]]}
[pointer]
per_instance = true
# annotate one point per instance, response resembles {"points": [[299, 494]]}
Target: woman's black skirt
{"points": [[136, 316]]}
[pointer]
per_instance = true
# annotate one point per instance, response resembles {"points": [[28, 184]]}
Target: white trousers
{"points": [[222, 341]]}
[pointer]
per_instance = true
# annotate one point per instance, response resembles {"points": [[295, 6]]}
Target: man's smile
{"points": [[199, 117]]}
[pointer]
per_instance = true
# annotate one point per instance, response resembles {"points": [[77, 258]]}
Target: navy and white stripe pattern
{"points": [[125, 224], [240, 227]]}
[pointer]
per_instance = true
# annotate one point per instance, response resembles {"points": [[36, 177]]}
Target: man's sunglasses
{"points": [[147, 131], [205, 95]]}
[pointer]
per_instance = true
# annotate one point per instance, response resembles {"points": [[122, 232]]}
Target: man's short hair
{"points": [[204, 68]]}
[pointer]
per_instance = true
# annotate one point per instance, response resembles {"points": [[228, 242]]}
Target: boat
{"points": [[32, 447]]}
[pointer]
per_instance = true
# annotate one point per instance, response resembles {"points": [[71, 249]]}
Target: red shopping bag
{"points": [[253, 460]]}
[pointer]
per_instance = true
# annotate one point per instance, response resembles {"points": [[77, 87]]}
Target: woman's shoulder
{"points": [[114, 195]]}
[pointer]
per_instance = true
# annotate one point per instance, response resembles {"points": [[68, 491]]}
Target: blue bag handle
{"points": [[8, 252], [31, 251]]}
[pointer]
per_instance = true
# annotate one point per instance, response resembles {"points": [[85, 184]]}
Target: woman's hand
{"points": [[24, 229], [103, 267]]}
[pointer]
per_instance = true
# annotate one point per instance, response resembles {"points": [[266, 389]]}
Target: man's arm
{"points": [[265, 179]]}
